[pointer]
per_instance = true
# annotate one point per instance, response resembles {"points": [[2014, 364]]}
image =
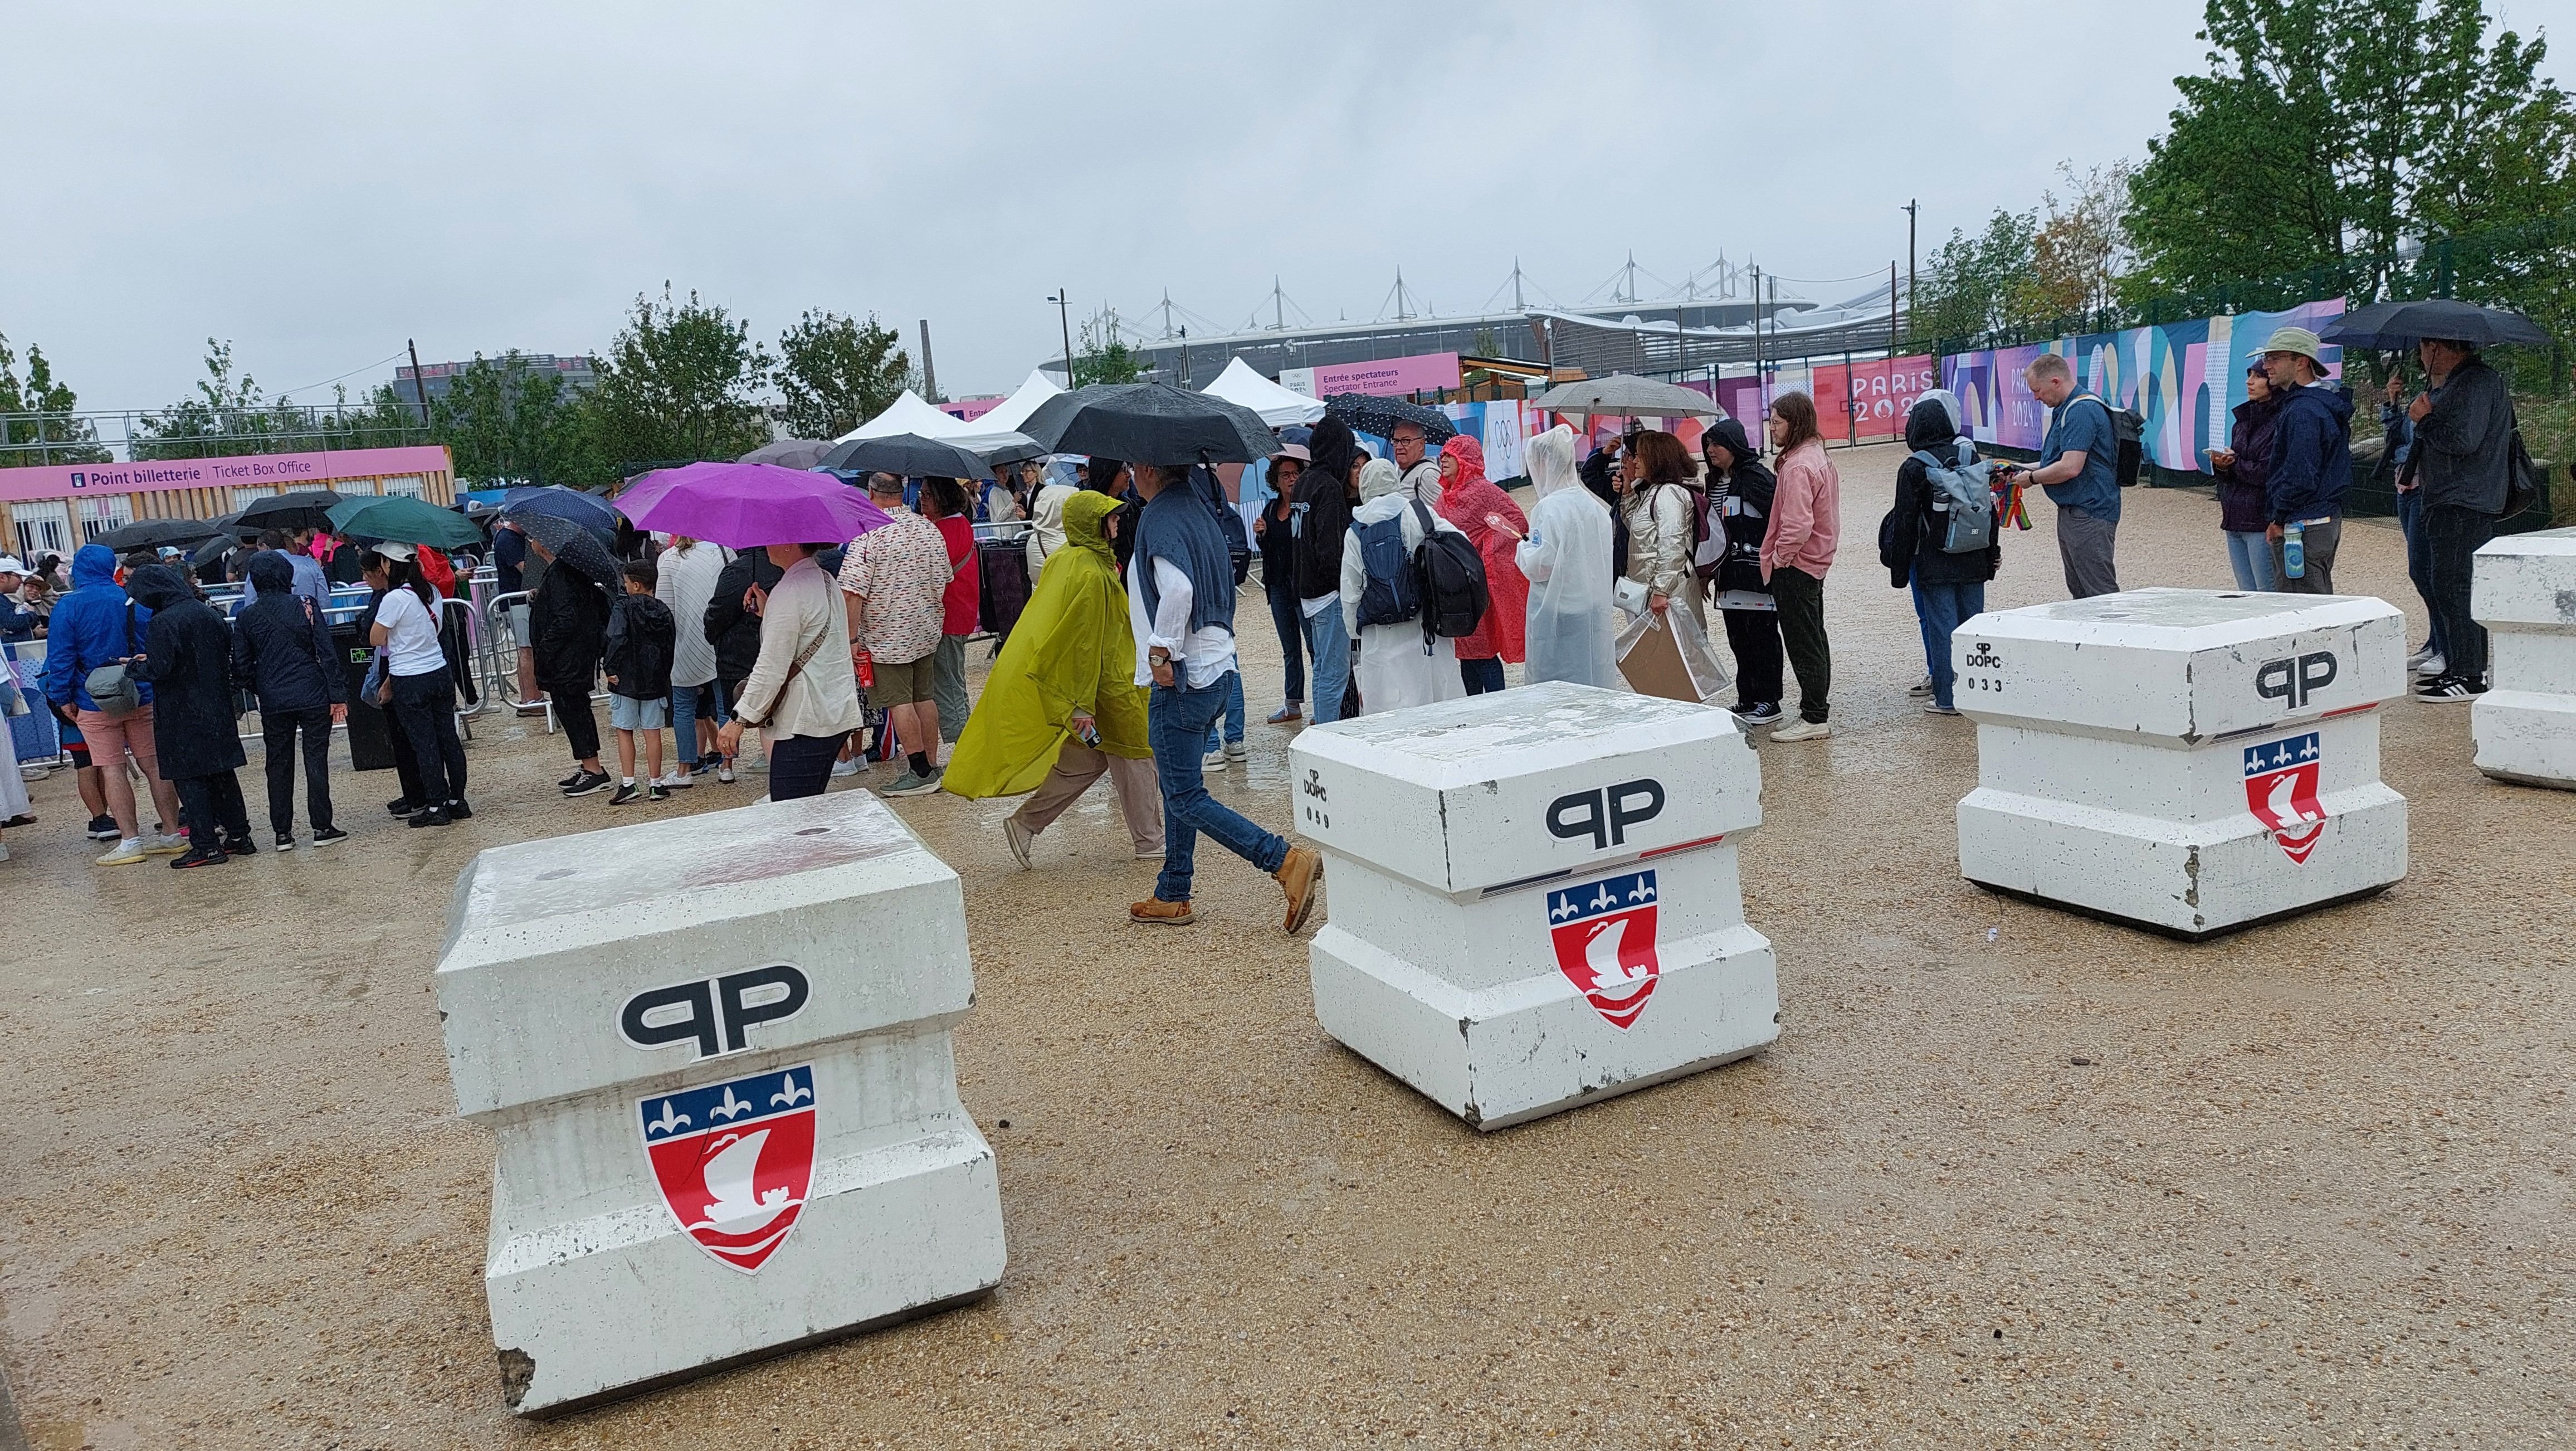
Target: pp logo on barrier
{"points": [[714, 1013], [2292, 681], [1606, 815]]}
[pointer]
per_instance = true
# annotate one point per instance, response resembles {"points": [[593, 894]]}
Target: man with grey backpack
{"points": [[1940, 539]]}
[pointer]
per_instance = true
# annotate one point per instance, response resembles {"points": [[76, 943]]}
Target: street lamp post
{"points": [[1063, 301]]}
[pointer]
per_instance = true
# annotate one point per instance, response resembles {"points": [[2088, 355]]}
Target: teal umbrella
{"points": [[403, 521]]}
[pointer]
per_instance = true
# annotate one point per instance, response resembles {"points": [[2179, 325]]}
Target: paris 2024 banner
{"points": [[2183, 378]]}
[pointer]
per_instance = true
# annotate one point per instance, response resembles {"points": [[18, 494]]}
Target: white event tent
{"points": [[1277, 406], [908, 414], [1011, 412]]}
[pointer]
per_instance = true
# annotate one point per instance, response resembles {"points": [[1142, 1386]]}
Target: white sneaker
{"points": [[1017, 837], [167, 844], [1236, 751], [1149, 854], [724, 773], [675, 781], [2432, 666], [849, 767], [1214, 760], [1803, 730], [124, 854], [2420, 656]]}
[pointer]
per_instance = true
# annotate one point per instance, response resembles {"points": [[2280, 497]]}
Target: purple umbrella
{"points": [[748, 506]]}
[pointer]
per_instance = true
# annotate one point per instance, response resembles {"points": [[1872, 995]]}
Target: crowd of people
{"points": [[1122, 662]]}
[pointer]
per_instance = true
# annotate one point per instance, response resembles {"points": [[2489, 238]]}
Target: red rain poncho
{"points": [[1465, 501]]}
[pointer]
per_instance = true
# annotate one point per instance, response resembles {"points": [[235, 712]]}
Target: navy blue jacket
{"points": [[282, 650], [2311, 455]]}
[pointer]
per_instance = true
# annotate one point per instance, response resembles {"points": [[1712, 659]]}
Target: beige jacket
{"points": [[806, 616]]}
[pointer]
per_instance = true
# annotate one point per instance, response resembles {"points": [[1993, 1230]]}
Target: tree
{"points": [[506, 422], [1973, 285], [1105, 357], [679, 383], [838, 373], [2329, 133], [35, 415], [2080, 252]]}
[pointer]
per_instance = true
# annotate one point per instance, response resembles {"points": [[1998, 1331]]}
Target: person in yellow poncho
{"points": [[1062, 707]]}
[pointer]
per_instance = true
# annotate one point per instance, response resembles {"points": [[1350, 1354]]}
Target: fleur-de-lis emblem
{"points": [[671, 1120], [788, 1098], [731, 1108]]}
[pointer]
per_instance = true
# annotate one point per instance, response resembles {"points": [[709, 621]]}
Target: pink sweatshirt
{"points": [[1806, 513]]}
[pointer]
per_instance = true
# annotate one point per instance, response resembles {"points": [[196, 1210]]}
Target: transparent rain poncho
{"points": [[1567, 559]]}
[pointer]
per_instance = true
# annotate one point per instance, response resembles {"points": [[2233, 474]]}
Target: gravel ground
{"points": [[2303, 1186]]}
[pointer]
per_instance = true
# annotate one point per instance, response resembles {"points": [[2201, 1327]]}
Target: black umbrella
{"points": [[906, 456], [1365, 414], [302, 509], [1153, 423], [2389, 326], [157, 534]]}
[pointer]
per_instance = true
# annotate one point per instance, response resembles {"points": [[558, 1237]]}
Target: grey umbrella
{"points": [[1625, 395], [907, 456], [790, 453]]}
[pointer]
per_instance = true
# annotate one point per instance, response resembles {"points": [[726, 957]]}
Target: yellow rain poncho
{"points": [[1071, 651]]}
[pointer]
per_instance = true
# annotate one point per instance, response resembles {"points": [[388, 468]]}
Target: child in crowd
{"points": [[642, 633]]}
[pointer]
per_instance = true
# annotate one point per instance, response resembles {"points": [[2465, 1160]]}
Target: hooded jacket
{"points": [[2461, 447], [2311, 455], [2242, 506], [281, 649], [1071, 653], [1914, 548], [188, 659], [637, 650], [1322, 513], [567, 626], [1741, 502], [88, 630]]}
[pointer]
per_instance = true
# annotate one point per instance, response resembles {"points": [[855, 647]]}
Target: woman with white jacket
{"points": [[1396, 666], [1567, 559]]}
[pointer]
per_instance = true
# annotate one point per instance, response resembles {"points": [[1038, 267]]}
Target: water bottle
{"points": [[2294, 550]]}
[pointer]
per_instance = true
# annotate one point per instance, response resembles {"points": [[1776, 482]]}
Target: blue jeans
{"points": [[1332, 650], [689, 705], [2250, 555], [1481, 676], [1176, 724], [1233, 717], [1292, 638], [2419, 557], [1940, 608]]}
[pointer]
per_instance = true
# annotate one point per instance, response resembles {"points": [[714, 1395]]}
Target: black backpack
{"points": [[1450, 581], [2128, 438]]}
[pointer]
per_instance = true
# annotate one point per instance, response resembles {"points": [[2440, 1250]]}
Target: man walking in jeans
{"points": [[1180, 602], [2463, 458], [2078, 471]]}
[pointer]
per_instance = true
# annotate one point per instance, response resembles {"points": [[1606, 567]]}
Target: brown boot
{"points": [[1155, 912], [1298, 876]]}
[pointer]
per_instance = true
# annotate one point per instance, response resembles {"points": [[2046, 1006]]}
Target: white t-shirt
{"points": [[412, 646]]}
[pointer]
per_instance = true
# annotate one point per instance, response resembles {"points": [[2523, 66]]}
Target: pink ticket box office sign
{"points": [[284, 470]]}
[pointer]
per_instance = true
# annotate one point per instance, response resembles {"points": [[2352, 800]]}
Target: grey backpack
{"points": [[113, 687], [1963, 495]]}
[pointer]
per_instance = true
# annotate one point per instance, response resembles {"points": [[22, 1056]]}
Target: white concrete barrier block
{"points": [[2523, 589], [2191, 761], [1533, 895], [713, 1052]]}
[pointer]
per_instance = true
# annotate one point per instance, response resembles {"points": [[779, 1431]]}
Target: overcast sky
{"points": [[320, 182]]}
